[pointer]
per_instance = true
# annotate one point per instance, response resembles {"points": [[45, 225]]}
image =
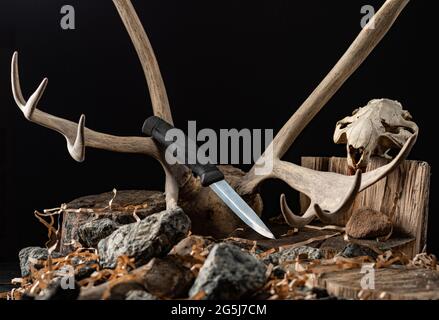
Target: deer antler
{"points": [[78, 137], [330, 194], [139, 38]]}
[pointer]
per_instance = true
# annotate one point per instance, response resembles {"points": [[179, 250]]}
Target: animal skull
{"points": [[373, 131]]}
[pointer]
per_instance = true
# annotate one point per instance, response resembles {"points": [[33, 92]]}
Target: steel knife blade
{"points": [[209, 174]]}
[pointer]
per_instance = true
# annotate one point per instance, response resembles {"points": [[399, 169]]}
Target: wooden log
{"points": [[94, 207], [396, 283], [403, 195]]}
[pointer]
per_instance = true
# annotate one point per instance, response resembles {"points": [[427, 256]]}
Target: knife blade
{"points": [[209, 174]]}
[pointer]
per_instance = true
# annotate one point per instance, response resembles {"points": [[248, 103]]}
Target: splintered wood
{"points": [[402, 195]]}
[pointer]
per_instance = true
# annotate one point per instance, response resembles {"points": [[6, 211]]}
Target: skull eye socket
{"points": [[356, 154], [344, 125]]}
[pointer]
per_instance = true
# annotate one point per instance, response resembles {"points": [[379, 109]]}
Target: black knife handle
{"points": [[157, 128]]}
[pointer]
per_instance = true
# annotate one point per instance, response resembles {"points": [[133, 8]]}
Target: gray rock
{"points": [[139, 295], [354, 250], [34, 253], [229, 273], [290, 255], [94, 231], [152, 237]]}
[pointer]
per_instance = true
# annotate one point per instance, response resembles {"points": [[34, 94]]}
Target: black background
{"points": [[226, 64]]}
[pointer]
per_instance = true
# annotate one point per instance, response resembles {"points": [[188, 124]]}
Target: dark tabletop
{"points": [[8, 271]]}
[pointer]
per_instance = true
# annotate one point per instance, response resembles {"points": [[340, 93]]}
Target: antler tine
{"points": [[16, 87], [370, 178], [77, 148], [75, 143], [292, 219], [27, 107], [336, 197]]}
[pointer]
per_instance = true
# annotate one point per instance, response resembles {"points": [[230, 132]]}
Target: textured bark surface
{"points": [[120, 212], [403, 196]]}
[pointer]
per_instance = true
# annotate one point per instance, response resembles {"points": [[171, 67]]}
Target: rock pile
{"points": [[156, 257]]}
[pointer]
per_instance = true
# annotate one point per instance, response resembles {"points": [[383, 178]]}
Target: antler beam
{"points": [[330, 194], [139, 38]]}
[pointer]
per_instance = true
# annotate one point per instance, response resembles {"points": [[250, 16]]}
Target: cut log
{"points": [[390, 284], [97, 207], [210, 216], [403, 195]]}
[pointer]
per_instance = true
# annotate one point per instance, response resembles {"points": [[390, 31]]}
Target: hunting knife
{"points": [[209, 174]]}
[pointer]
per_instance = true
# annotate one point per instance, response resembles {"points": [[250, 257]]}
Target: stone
{"points": [[152, 237], [354, 250], [92, 232], [33, 253], [229, 273], [167, 278], [97, 207], [368, 224], [139, 295], [290, 255]]}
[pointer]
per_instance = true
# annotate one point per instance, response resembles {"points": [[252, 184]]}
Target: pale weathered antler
{"points": [[139, 38], [78, 137], [330, 194], [156, 86]]}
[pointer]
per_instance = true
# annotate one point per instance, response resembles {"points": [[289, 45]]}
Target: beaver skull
{"points": [[373, 131]]}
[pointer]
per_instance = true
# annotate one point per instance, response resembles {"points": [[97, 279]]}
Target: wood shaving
{"points": [[426, 261]]}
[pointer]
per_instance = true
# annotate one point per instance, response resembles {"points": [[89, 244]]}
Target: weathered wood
{"points": [[397, 283], [97, 207], [282, 239], [403, 195]]}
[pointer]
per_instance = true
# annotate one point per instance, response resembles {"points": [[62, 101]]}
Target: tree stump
{"points": [[403, 195], [96, 207]]}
